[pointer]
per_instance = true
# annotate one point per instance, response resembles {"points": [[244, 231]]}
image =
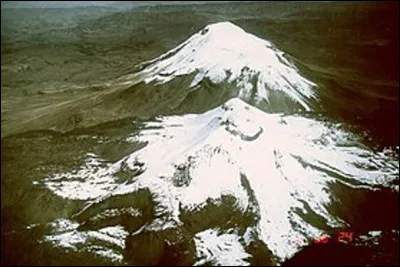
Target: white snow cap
{"points": [[225, 52]]}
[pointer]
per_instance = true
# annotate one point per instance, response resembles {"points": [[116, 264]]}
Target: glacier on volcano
{"points": [[275, 166], [223, 52]]}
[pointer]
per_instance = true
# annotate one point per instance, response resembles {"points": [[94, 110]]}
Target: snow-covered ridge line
{"points": [[223, 52]]}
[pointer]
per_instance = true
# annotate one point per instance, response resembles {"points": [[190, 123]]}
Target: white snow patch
{"points": [[219, 249], [92, 180], [66, 235]]}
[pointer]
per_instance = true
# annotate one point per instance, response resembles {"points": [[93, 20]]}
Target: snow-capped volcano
{"points": [[276, 169], [223, 52]]}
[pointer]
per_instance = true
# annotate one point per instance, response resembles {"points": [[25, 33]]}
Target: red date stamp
{"points": [[342, 237], [322, 239], [345, 237]]}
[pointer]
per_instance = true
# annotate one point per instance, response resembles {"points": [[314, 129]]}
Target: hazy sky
{"points": [[69, 4], [42, 4]]}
